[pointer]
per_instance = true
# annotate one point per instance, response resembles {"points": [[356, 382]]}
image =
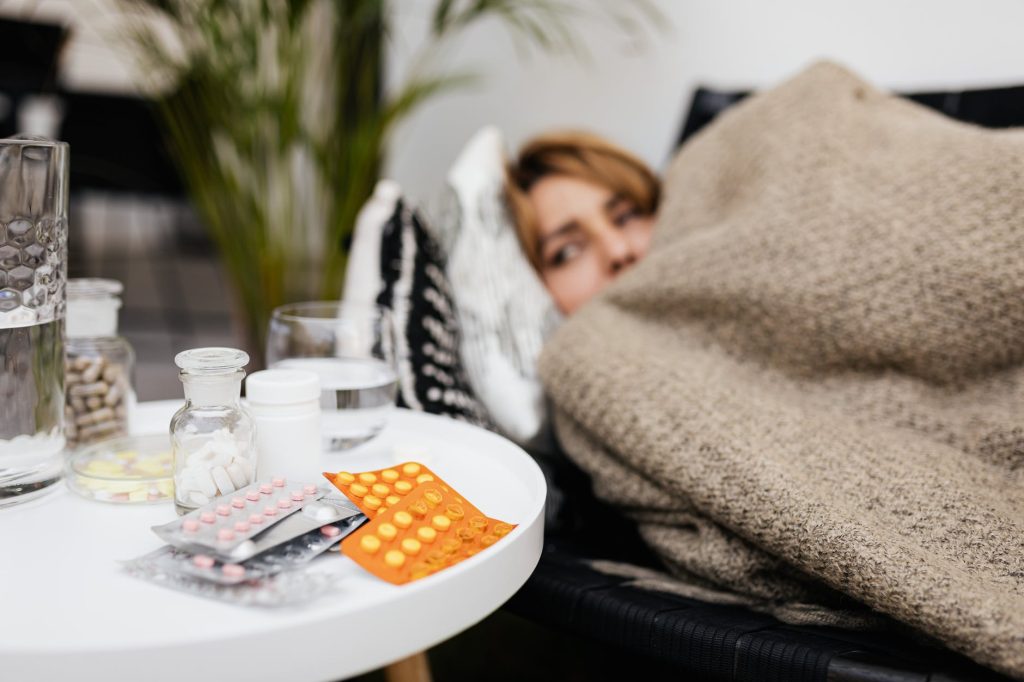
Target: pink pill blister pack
{"points": [[227, 524], [170, 561]]}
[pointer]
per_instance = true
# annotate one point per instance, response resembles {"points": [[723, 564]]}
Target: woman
{"points": [[584, 211]]}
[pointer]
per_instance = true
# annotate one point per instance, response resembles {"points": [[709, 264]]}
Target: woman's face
{"points": [[586, 237]]}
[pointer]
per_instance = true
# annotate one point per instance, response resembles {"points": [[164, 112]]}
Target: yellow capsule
{"points": [[488, 540], [387, 531], [433, 497], [344, 478], [411, 469], [454, 512], [100, 467], [411, 546], [426, 534], [369, 544], [394, 558], [502, 529], [465, 534], [451, 545], [389, 475], [372, 501], [392, 499], [419, 570], [152, 467], [423, 478], [402, 519], [436, 558], [402, 487], [117, 487], [381, 490], [442, 523], [479, 523], [418, 509], [358, 489], [381, 510]]}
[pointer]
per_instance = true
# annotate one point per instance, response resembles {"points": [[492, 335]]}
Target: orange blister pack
{"points": [[417, 529], [374, 491]]}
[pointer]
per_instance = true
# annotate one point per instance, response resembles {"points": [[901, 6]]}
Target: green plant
{"points": [[276, 114]]}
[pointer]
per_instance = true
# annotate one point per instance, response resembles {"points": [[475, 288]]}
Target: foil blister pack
{"points": [[227, 526], [261, 564], [288, 555]]}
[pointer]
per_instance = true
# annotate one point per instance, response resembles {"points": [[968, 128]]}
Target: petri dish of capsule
{"points": [[124, 470]]}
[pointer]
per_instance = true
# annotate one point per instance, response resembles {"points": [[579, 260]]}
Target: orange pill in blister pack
{"points": [[374, 491], [429, 527]]}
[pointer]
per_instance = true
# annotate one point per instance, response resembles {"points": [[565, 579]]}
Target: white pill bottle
{"points": [[213, 437], [285, 404]]}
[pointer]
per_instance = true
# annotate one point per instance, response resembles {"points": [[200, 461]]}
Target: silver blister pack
{"points": [[227, 526]]}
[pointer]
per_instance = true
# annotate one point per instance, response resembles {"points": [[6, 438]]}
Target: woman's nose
{"points": [[617, 249]]}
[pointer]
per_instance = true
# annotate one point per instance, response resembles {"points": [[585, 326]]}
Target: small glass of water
{"points": [[350, 347]]}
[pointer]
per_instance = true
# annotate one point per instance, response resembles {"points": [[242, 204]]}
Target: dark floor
{"points": [[507, 648]]}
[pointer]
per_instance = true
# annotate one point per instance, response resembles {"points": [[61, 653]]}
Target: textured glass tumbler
{"points": [[33, 272]]}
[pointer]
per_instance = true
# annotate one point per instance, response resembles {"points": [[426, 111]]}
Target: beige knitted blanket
{"points": [[813, 387]]}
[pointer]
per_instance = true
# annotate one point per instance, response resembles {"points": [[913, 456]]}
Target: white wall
{"points": [[635, 96], [639, 98]]}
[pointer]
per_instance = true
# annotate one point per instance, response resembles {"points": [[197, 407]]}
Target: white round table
{"points": [[67, 610]]}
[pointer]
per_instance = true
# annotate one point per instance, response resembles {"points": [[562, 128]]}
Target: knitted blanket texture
{"points": [[812, 388]]}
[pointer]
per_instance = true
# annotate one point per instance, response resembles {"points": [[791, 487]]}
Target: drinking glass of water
{"points": [[350, 346], [33, 272]]}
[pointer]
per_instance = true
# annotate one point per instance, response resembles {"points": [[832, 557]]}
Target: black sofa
{"points": [[663, 636]]}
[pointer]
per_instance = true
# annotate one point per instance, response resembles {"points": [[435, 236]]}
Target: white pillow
{"points": [[503, 309], [362, 276]]}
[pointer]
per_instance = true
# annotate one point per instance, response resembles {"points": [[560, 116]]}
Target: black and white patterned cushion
{"points": [[504, 312], [417, 292]]}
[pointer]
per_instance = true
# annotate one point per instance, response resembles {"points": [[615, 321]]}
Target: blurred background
{"points": [[72, 69]]}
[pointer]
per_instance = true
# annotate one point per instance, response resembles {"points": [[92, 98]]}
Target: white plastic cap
{"points": [[92, 307], [282, 387]]}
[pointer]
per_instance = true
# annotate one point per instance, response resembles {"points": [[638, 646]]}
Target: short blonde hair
{"points": [[580, 155]]}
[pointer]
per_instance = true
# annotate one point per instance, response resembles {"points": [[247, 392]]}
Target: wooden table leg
{"points": [[416, 668]]}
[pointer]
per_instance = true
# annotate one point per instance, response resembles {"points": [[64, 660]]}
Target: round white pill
{"points": [[246, 466], [223, 481], [222, 454], [204, 482], [186, 484], [237, 474], [200, 456]]}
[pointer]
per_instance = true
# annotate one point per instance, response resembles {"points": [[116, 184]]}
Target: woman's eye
{"points": [[623, 216], [564, 254]]}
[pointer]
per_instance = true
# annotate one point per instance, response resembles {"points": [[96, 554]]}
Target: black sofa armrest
{"points": [[699, 640]]}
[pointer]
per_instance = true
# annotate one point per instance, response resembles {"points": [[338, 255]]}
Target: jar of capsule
{"points": [[213, 438], [99, 364]]}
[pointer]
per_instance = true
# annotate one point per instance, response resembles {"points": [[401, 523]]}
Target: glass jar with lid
{"points": [[213, 438], [99, 364]]}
